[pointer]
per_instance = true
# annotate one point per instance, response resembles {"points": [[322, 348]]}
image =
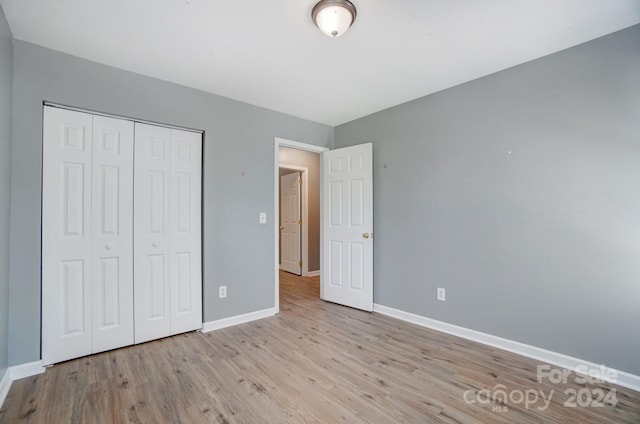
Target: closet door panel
{"points": [[152, 173], [66, 235], [186, 234], [121, 232], [112, 238]]}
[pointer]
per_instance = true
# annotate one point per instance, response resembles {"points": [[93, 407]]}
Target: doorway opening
{"points": [[297, 210], [346, 223]]}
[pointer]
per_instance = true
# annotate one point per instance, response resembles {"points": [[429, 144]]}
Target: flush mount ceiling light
{"points": [[333, 17]]}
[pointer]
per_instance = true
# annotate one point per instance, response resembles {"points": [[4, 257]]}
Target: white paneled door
{"points": [[347, 226], [152, 236], [66, 235], [290, 223], [185, 231], [112, 220], [87, 264], [121, 233], [167, 235]]}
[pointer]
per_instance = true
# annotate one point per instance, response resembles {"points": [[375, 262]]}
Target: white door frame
{"points": [[304, 214], [282, 142]]}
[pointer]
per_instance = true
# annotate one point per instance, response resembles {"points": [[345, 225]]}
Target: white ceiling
{"points": [[269, 53]]}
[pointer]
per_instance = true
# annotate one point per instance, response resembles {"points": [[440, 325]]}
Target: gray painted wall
{"points": [[311, 161], [519, 194], [6, 75], [238, 177]]}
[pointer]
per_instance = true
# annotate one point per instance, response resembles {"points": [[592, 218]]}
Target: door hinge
{"points": [[299, 181], [300, 264], [299, 222]]}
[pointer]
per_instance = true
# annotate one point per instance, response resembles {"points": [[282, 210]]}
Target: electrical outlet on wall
{"points": [[441, 294], [222, 292]]}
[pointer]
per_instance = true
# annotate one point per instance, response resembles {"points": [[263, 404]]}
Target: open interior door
{"points": [[347, 226], [290, 223]]}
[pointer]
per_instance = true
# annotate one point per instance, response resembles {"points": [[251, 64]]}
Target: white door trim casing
{"points": [[305, 214], [282, 142]]}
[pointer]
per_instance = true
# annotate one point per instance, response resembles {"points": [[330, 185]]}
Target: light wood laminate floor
{"points": [[315, 362]]}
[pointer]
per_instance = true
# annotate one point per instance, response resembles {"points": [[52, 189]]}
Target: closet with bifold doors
{"points": [[121, 233]]}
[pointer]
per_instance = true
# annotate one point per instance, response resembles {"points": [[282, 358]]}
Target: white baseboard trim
{"points": [[26, 370], [622, 378], [238, 319], [16, 373], [313, 273], [5, 385]]}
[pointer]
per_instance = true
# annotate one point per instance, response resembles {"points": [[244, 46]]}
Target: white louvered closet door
{"points": [[167, 235], [87, 280]]}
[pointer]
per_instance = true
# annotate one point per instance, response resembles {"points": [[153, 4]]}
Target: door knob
{"points": [[107, 246], [365, 235], [154, 244]]}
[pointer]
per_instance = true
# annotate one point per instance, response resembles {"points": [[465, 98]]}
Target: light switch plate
{"points": [[262, 218]]}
